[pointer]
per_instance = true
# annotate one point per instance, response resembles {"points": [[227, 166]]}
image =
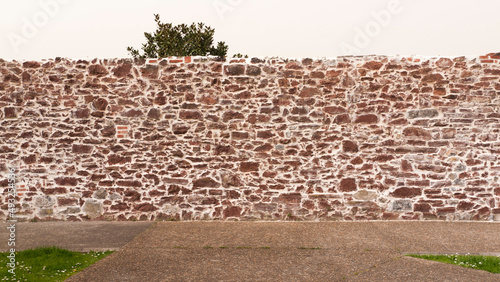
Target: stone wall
{"points": [[351, 138]]}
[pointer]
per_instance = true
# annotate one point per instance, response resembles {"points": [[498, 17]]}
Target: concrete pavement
{"points": [[74, 236], [279, 251]]}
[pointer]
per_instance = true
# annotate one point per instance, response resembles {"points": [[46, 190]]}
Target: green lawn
{"points": [[47, 264], [488, 263]]}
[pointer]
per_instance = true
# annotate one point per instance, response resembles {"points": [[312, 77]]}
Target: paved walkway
{"points": [[75, 236], [272, 251]]}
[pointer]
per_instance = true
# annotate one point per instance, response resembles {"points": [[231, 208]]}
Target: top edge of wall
{"points": [[190, 59]]}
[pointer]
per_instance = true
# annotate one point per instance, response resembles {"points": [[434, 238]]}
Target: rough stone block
{"points": [[401, 205]]}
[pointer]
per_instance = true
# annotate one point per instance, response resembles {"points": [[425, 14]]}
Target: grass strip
{"points": [[487, 263], [47, 264]]}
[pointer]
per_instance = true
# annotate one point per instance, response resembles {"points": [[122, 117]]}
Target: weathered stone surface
{"points": [[365, 195], [205, 182], [117, 159], [345, 118], [31, 64], [10, 112], [145, 207], [180, 128], [82, 113], [150, 71], [101, 193], [230, 180], [98, 70], [264, 207], [230, 115], [45, 201], [190, 114], [92, 208], [100, 104], [401, 205], [309, 92], [249, 166], [253, 70], [444, 63], [68, 181], [234, 69], [369, 118], [82, 149], [133, 113], [406, 192], [417, 132], [373, 65], [122, 70], [348, 185], [232, 211], [349, 146], [334, 110], [154, 113], [424, 113], [129, 183], [290, 198], [432, 77], [357, 138], [108, 131]]}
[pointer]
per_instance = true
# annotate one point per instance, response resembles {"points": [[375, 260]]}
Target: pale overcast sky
{"points": [[41, 29]]}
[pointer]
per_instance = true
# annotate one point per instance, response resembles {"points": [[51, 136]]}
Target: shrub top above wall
{"points": [[350, 138]]}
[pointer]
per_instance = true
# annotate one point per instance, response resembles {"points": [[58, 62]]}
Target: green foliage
{"points": [[488, 263], [48, 264], [180, 40], [239, 55]]}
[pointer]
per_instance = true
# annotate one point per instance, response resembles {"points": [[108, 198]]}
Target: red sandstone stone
{"points": [[345, 118], [290, 198], [347, 185], [368, 118], [54, 191], [417, 132], [406, 192], [239, 135], [349, 146], [232, 211], [82, 149], [265, 134], [100, 104], [31, 64], [10, 112], [117, 159], [129, 183], [309, 92], [333, 73], [249, 166], [444, 63], [334, 110], [150, 71], [82, 113], [145, 207], [120, 206], [205, 182], [432, 78], [253, 70], [122, 70], [180, 128], [66, 181], [373, 65], [98, 70], [230, 115], [132, 195]]}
